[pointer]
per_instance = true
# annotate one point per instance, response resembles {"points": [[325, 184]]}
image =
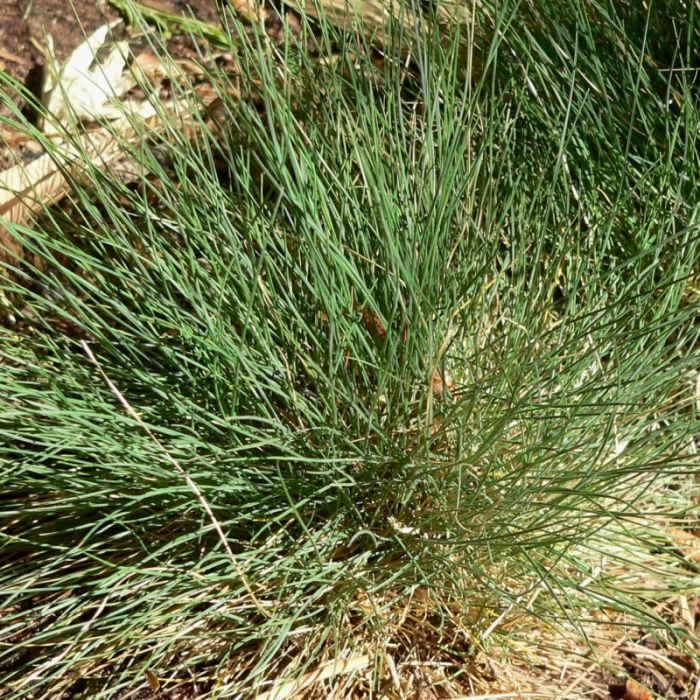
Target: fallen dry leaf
{"points": [[84, 86], [635, 691], [440, 381], [26, 189], [150, 67], [153, 682], [155, 70], [373, 324], [292, 689]]}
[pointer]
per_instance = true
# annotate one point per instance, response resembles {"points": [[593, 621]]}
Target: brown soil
{"points": [[24, 21]]}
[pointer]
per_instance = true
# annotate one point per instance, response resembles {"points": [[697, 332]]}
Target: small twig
{"points": [[12, 57], [176, 465]]}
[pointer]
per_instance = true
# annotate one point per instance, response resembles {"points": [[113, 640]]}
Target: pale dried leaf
{"points": [[84, 86], [153, 69], [25, 190], [290, 689], [149, 67], [83, 55]]}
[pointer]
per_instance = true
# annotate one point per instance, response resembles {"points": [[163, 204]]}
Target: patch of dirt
{"points": [[18, 57], [16, 53], [68, 27]]}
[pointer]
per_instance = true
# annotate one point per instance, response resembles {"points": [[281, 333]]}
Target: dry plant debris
{"points": [[85, 89]]}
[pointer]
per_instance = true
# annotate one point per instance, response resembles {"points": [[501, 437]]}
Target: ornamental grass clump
{"points": [[355, 355]]}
